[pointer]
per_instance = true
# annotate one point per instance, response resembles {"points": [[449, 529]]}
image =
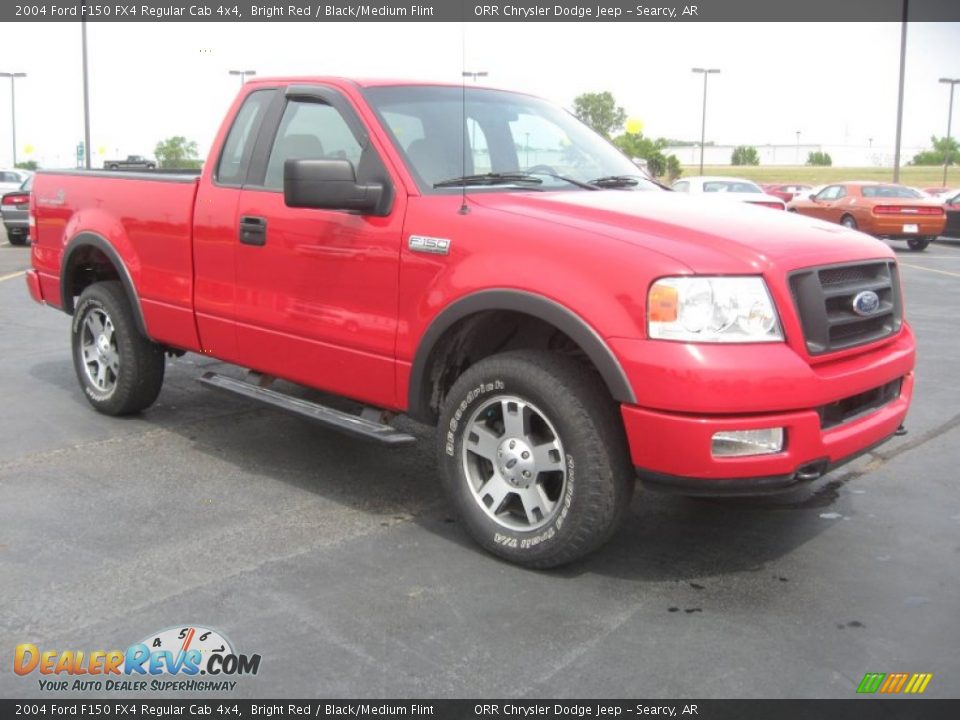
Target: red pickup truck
{"points": [[481, 261]]}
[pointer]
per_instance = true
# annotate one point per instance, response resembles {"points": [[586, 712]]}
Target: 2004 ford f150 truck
{"points": [[481, 261]]}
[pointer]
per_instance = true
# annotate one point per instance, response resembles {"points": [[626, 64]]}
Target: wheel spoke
{"points": [[101, 375], [496, 489], [548, 457], [514, 418], [485, 444], [536, 504], [108, 329], [95, 325]]}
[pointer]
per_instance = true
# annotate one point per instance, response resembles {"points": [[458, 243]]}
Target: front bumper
{"points": [[674, 449]]}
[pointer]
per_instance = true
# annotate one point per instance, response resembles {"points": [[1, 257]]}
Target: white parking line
{"points": [[11, 276], [933, 270]]}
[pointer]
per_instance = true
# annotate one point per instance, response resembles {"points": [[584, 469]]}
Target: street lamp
{"points": [[475, 75], [703, 126], [243, 74], [952, 82], [13, 108], [798, 147]]}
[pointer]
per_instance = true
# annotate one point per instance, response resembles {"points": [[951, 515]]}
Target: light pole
{"points": [[244, 74], [528, 148], [475, 75], [703, 126], [952, 82], [13, 108], [86, 97], [798, 147]]}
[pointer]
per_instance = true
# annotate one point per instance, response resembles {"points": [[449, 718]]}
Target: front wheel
{"points": [[120, 370], [918, 244], [534, 457]]}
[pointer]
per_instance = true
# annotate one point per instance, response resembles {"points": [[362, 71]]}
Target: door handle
{"points": [[253, 230]]}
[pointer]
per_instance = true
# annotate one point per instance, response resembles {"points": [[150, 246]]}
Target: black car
{"points": [[15, 208], [952, 206]]}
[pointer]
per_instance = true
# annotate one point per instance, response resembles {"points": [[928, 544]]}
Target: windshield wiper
{"points": [[614, 181], [492, 178], [572, 181]]}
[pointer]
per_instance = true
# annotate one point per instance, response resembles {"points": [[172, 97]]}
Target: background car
{"points": [[131, 162], [12, 179], [785, 192], [728, 188], [15, 209], [951, 206], [884, 210]]}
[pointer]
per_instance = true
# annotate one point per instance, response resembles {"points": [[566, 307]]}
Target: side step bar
{"points": [[328, 417]]}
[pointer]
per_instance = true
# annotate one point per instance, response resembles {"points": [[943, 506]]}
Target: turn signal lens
{"points": [[663, 303]]}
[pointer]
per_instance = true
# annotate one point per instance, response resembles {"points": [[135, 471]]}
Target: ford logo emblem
{"points": [[866, 303]]}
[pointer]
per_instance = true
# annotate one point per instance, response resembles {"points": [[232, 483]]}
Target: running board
{"points": [[328, 417]]}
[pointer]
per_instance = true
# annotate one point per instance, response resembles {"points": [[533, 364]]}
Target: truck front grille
{"points": [[824, 299]]}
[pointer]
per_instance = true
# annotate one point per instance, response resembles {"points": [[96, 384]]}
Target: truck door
{"points": [[316, 290], [214, 227]]}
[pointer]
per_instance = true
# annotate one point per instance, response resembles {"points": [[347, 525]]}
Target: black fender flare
{"points": [[91, 239], [568, 322]]}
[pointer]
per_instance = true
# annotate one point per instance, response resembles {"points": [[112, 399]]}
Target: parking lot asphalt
{"points": [[341, 565]]}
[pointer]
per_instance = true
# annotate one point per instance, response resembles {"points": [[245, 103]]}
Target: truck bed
{"points": [[146, 217]]}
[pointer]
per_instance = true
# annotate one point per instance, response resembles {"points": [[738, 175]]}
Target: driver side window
{"points": [[310, 130]]}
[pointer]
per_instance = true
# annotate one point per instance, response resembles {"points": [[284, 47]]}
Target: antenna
{"points": [[463, 117]]}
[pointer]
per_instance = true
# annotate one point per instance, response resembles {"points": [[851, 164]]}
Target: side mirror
{"points": [[329, 185]]}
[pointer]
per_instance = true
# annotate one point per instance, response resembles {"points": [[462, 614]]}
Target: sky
{"points": [[834, 82]]}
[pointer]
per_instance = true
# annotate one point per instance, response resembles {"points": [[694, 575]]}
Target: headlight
{"points": [[712, 309]]}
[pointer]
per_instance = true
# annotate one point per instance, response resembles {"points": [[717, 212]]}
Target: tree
{"points": [[820, 159], [637, 145], [600, 111], [944, 148], [745, 155], [177, 152], [28, 165]]}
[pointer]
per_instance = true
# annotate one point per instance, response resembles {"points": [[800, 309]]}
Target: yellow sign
{"points": [[634, 125]]}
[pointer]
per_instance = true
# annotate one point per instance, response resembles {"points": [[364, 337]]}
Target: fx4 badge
{"points": [[421, 243]]}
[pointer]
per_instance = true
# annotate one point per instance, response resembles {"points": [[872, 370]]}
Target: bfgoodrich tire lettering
{"points": [[572, 428], [120, 371]]}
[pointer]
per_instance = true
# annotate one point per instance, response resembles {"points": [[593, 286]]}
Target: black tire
{"points": [[848, 221], [138, 377], [114, 167], [18, 240], [919, 244], [597, 475]]}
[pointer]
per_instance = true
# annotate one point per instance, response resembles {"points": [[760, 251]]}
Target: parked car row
{"points": [[885, 210]]}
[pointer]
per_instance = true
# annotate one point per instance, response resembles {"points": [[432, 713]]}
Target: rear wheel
{"points": [[120, 371], [534, 457], [848, 222], [919, 244], [18, 239]]}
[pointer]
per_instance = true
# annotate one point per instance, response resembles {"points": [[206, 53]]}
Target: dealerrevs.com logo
{"points": [[171, 660]]}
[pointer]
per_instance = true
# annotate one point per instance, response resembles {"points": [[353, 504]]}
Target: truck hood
{"points": [[701, 233]]}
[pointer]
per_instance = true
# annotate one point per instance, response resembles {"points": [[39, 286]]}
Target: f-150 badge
{"points": [[421, 243]]}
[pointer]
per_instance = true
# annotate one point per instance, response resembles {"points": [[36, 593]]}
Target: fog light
{"points": [[737, 443]]}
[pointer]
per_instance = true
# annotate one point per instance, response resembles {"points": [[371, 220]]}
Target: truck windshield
{"points": [[447, 141]]}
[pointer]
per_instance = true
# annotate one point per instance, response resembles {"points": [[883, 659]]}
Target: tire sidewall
{"points": [[86, 305], [531, 546]]}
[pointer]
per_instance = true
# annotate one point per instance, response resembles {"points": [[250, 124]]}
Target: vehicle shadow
{"points": [[663, 537]]}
